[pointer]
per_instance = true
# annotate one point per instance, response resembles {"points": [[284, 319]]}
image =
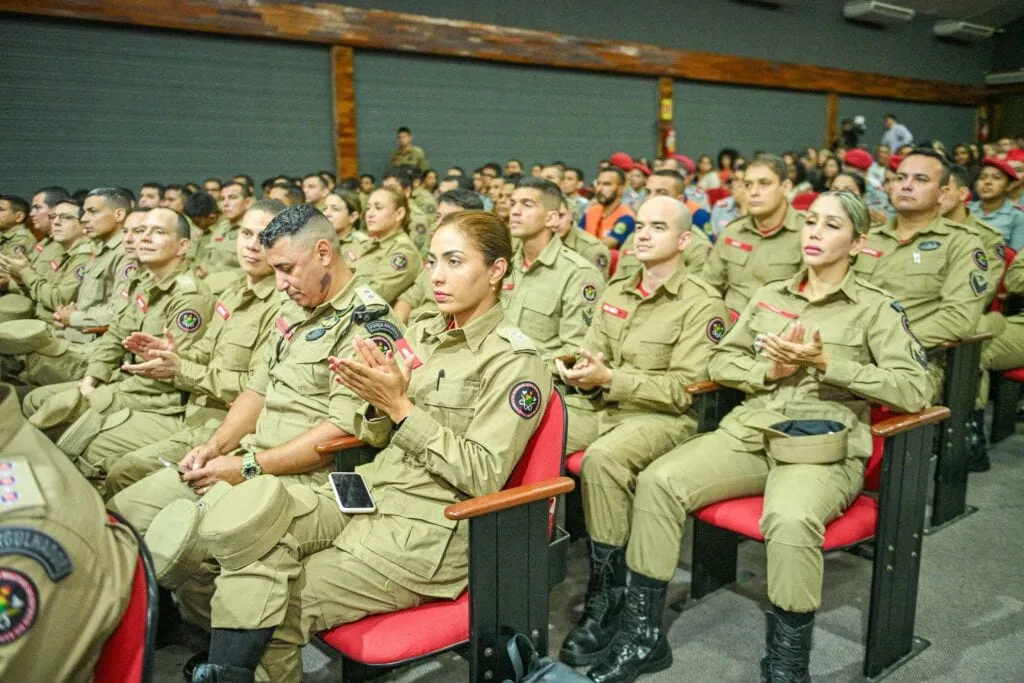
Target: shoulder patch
{"points": [[978, 282], [589, 293], [715, 330], [186, 283], [708, 289], [1001, 251], [189, 320], [517, 339], [384, 328], [368, 296], [601, 261], [38, 546], [19, 605], [525, 399], [79, 272], [929, 245], [399, 262], [979, 258]]}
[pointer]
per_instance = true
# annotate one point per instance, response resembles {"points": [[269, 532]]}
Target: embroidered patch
{"points": [[189, 320], [614, 310], [80, 273], [525, 399], [19, 605], [384, 328], [36, 545], [877, 253], [38, 247], [129, 270], [351, 255], [315, 333], [9, 497], [330, 321], [738, 244], [19, 250], [1001, 251], [601, 260], [124, 293], [508, 286], [929, 245], [629, 252], [715, 330], [399, 262], [620, 228], [979, 258], [383, 344], [918, 353], [222, 310], [282, 326], [589, 293], [140, 301], [407, 354], [978, 282], [588, 316]]}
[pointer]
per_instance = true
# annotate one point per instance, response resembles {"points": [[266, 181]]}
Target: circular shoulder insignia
{"points": [[399, 262], [620, 228], [129, 270], [19, 605], [715, 329], [189, 320], [590, 293], [979, 258], [19, 249], [383, 344], [315, 334], [79, 272], [602, 261], [525, 399]]}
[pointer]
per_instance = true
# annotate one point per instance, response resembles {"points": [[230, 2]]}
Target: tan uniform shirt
{"points": [[426, 203], [218, 367], [294, 376], [65, 571], [995, 251], [351, 244], [421, 229], [655, 345], [97, 296], [413, 157], [43, 254], [479, 394], [221, 254], [940, 276], [552, 300], [743, 259], [872, 356], [388, 265], [694, 256], [420, 295], [60, 286], [180, 303], [17, 241], [590, 248]]}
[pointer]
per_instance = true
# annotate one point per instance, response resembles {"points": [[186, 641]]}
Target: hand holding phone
{"points": [[352, 493], [173, 465]]}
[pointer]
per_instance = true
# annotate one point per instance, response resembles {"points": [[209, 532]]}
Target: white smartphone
{"points": [[173, 465], [352, 493]]}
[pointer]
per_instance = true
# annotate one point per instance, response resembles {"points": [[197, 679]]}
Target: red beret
{"points": [[894, 162], [686, 161], [643, 168], [1015, 155], [858, 158], [622, 160], [1002, 166]]}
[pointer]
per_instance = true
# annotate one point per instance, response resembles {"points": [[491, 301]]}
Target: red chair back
{"points": [[803, 201], [614, 263], [717, 194], [127, 656], [997, 303]]}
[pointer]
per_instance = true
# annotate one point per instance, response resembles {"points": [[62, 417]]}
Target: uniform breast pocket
{"points": [[453, 402], [782, 263], [307, 369], [656, 347], [926, 277], [766, 321], [234, 349], [845, 342], [538, 319], [736, 256]]}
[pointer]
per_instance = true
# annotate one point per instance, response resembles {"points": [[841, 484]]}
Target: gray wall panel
{"points": [[710, 117], [88, 105], [468, 112]]}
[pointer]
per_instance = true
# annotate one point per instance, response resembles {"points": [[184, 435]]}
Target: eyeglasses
{"points": [[63, 217]]}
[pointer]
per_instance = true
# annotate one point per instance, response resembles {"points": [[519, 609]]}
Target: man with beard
{"points": [[609, 220]]}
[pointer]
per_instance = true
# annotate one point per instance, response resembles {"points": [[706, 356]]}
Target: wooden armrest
{"points": [[903, 423], [973, 339], [95, 329], [703, 388], [509, 498], [342, 443]]}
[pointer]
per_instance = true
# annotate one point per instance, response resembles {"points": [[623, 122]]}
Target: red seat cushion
{"points": [[743, 515], [574, 462], [1015, 375], [397, 637]]}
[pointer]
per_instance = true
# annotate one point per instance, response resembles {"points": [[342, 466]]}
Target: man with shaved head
{"points": [[170, 298], [652, 336]]}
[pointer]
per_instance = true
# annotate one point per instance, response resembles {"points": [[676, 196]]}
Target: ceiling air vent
{"points": [[877, 12], [962, 30], [1005, 77]]}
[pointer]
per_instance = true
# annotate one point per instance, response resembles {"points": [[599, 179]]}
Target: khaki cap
{"points": [[15, 307], [248, 522], [173, 536], [806, 442], [23, 336]]}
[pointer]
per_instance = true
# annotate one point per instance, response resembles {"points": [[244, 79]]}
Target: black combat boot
{"points": [[639, 646], [977, 458], [789, 650], [219, 673], [769, 634], [602, 607]]}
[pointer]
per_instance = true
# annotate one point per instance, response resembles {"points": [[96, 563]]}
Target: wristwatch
{"points": [[250, 468]]}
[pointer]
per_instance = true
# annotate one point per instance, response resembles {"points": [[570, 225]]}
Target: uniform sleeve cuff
{"points": [[622, 386], [78, 319], [376, 430], [98, 370], [189, 374], [840, 372], [412, 436]]}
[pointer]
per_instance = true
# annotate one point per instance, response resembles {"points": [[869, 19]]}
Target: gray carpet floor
{"points": [[970, 606]]}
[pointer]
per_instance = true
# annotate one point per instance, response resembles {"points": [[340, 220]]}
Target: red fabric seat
{"points": [[123, 656], [574, 462], [803, 201], [1015, 375], [397, 637], [716, 195], [998, 304], [614, 263]]}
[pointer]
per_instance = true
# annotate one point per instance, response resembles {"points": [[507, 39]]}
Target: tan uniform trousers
{"points": [[799, 500], [302, 586], [1004, 352], [612, 462], [126, 463]]}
